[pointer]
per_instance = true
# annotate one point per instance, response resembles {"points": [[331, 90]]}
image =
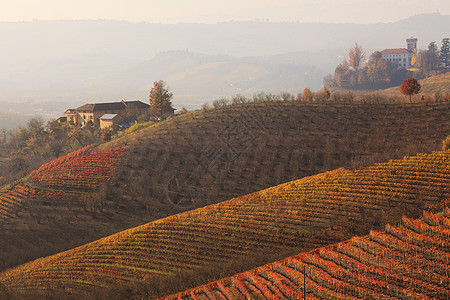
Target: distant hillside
{"points": [[200, 158], [12, 120], [69, 55], [406, 261], [197, 78], [184, 250]]}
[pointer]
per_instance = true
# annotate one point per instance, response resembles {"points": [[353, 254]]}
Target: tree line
{"points": [[26, 148], [377, 73]]}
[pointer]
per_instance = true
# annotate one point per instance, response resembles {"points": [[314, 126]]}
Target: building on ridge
{"points": [[402, 57], [81, 116]]}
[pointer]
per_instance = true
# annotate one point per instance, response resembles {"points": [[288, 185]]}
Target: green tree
{"points": [[444, 53], [409, 87], [160, 100]]}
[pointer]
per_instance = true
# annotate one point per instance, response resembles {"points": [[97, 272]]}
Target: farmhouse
{"points": [[402, 57], [108, 121], [82, 115]]}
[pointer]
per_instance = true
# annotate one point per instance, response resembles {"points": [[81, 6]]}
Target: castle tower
{"points": [[411, 44]]}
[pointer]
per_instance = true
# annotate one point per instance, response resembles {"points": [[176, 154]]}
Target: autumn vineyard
{"points": [[261, 200], [410, 261], [79, 172], [290, 218]]}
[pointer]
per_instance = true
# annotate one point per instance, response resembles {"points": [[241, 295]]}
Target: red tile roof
{"points": [[395, 51]]}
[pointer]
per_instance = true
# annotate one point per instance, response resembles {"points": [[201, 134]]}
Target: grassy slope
{"points": [[431, 86], [410, 260], [181, 251]]}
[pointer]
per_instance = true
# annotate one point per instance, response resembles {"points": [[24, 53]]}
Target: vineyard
{"points": [[411, 261], [64, 191], [61, 178], [208, 156], [290, 218], [200, 158]]}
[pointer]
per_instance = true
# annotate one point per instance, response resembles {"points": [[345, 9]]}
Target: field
{"points": [[182, 251], [410, 261]]}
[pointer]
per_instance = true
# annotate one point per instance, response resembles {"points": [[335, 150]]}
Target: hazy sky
{"points": [[211, 11]]}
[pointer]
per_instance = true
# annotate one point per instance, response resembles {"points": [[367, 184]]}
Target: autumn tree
{"points": [[307, 94], [160, 100], [409, 87], [342, 74], [356, 57], [378, 69]]}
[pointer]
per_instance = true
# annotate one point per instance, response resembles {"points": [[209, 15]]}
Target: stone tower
{"points": [[412, 44]]}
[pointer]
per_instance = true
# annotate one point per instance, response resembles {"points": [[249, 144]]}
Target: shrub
{"points": [[106, 135], [446, 143]]}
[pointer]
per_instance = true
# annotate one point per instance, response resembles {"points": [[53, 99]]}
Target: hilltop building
{"points": [[402, 57], [101, 113]]}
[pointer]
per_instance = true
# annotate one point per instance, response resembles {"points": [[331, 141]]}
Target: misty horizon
{"points": [[52, 65]]}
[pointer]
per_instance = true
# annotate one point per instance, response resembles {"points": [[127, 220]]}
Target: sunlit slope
{"points": [[409, 261], [289, 218], [438, 85], [55, 203]]}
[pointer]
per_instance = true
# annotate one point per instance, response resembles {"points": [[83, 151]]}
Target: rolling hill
{"points": [[68, 56], [181, 251], [201, 158], [198, 78], [436, 85], [433, 86], [406, 261]]}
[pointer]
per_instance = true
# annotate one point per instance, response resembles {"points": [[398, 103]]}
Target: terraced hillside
{"points": [[65, 192], [181, 251], [410, 261], [204, 157], [213, 155]]}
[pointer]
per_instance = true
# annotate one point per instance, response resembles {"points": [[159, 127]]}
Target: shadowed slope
{"points": [[212, 155], [288, 218]]}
